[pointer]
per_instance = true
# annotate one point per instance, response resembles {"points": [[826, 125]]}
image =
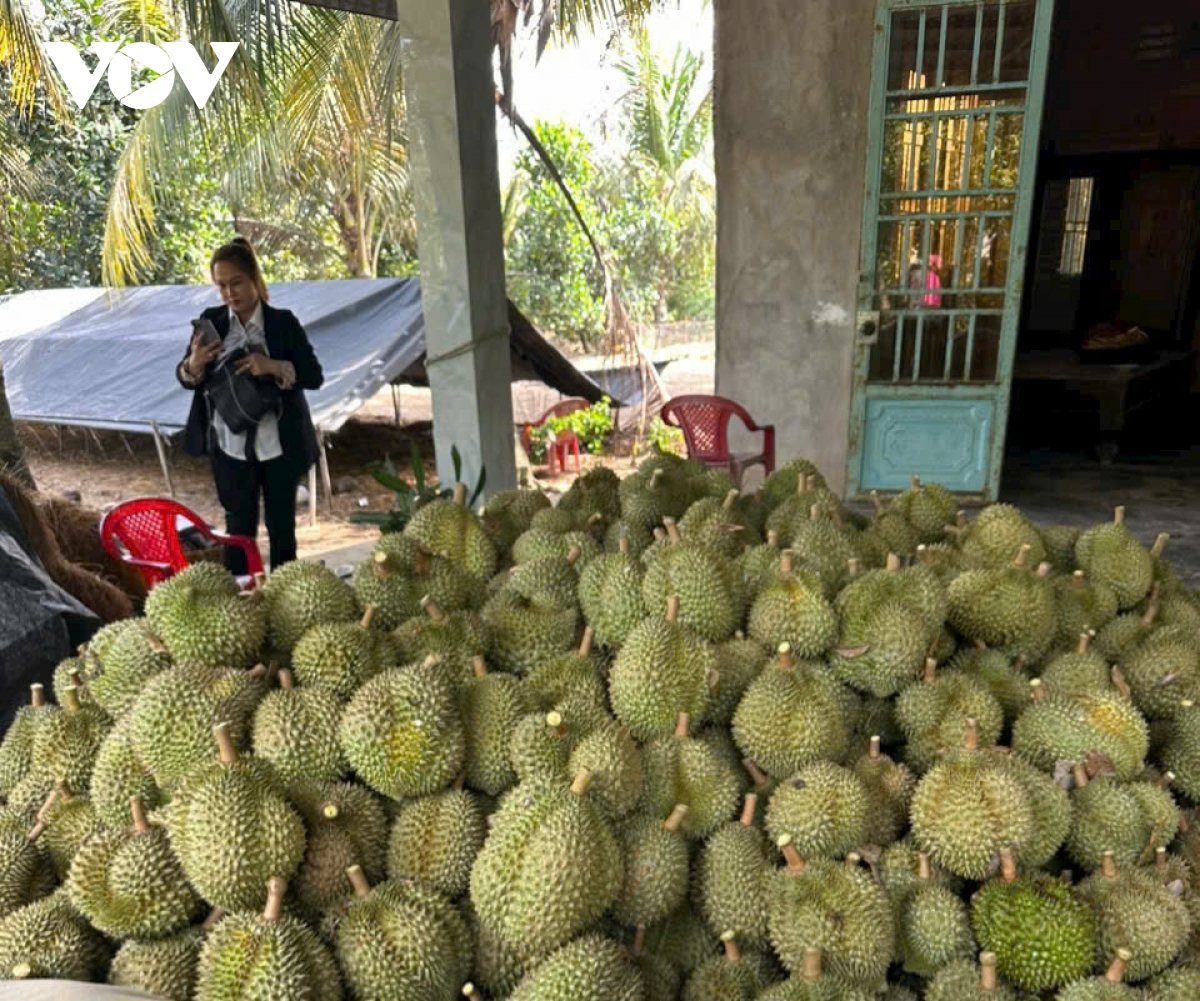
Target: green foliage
{"points": [[591, 426], [410, 497], [663, 437]]}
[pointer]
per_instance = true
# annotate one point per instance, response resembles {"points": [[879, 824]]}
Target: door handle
{"points": [[868, 326]]}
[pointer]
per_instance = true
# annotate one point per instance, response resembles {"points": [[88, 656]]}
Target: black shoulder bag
{"points": [[242, 400]]}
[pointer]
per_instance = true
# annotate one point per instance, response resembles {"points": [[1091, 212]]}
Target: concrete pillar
{"points": [[449, 89], [791, 94]]}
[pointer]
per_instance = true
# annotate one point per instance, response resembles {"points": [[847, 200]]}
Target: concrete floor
{"points": [[1158, 491]]}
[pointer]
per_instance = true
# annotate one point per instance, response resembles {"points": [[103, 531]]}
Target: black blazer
{"points": [[286, 341]]}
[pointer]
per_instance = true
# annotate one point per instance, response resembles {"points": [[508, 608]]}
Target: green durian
{"points": [[823, 808], [591, 968], [1112, 556], [301, 595], [614, 760], [49, 940], [117, 776], [933, 714], [934, 927], [492, 704], [436, 840], [963, 980], [131, 656], [1127, 819], [1083, 605], [65, 744], [1163, 671], [16, 749], [889, 786], [730, 877], [296, 729], [452, 529], [610, 595], [1060, 727], [655, 856], [454, 638], [163, 967], [400, 572], [684, 769], [707, 585], [792, 609], [203, 620]]}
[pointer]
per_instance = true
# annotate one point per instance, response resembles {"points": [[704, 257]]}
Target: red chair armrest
{"points": [[768, 431], [148, 564], [247, 545]]}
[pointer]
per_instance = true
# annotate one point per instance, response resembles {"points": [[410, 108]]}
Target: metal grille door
{"points": [[955, 113]]}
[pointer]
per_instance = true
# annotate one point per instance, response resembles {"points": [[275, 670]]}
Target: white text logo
{"points": [[167, 59]]}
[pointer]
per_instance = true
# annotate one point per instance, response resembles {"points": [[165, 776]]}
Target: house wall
{"points": [[791, 93]]}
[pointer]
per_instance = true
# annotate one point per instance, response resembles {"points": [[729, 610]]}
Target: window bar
{"points": [[898, 347], [926, 228], [999, 43], [916, 368], [978, 42], [970, 347], [941, 63], [951, 333], [977, 277], [920, 64]]}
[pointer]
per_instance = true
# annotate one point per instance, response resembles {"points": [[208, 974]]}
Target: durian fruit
{"points": [[163, 967], [688, 770], [203, 620], [727, 978], [720, 524], [932, 714], [823, 547], [784, 481], [1004, 676], [1082, 670], [576, 672], [65, 744], [455, 638], [508, 513], [813, 984], [1043, 934], [540, 746], [1112, 556], [346, 825], [1006, 606], [549, 583], [119, 775], [792, 609], [539, 543], [400, 572], [895, 531], [657, 490], [128, 883], [301, 595], [934, 926], [551, 866], [662, 670], [49, 940], [436, 839], [997, 534], [615, 763], [69, 673], [965, 810], [1060, 541], [524, 636], [171, 722], [730, 877], [889, 786], [739, 662], [492, 704], [16, 749], [1127, 631], [1067, 727], [929, 508], [758, 566], [296, 729], [832, 906], [660, 974], [707, 585], [1128, 820], [963, 980], [267, 955], [232, 829], [1181, 754], [402, 732], [656, 874], [685, 938], [610, 595], [823, 808], [810, 491], [70, 821], [791, 716], [1180, 983], [131, 657], [1135, 911], [1083, 605], [1163, 671], [26, 872], [591, 968], [1049, 804], [452, 529], [1110, 987], [341, 657], [637, 539]]}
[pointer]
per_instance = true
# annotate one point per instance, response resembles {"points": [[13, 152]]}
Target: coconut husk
{"points": [[109, 602], [76, 529]]}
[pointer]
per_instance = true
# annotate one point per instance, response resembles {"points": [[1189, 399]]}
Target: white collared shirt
{"points": [[266, 440]]}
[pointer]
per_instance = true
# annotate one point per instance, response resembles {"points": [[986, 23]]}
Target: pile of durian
{"points": [[658, 741]]}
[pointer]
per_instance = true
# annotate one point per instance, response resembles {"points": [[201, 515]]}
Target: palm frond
{"points": [[29, 65]]}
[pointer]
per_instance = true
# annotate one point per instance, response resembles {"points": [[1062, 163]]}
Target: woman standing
{"points": [[272, 457]]}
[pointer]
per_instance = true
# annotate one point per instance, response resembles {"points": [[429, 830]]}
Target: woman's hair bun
{"points": [[240, 241]]}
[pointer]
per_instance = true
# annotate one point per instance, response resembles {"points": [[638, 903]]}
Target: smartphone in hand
{"points": [[203, 326]]}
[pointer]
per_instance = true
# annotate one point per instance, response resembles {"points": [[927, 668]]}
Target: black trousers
{"points": [[239, 485]]}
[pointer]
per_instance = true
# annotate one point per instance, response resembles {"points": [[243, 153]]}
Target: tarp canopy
{"points": [[105, 358]]}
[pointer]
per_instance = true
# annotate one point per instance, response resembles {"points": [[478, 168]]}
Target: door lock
{"points": [[868, 326]]}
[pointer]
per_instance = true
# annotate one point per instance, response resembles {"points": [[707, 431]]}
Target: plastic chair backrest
{"points": [[146, 527], [704, 421]]}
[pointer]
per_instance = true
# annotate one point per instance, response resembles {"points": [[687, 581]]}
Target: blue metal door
{"points": [[956, 106]]}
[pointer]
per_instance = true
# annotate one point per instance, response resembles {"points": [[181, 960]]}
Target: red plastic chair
{"points": [[144, 533], [704, 421], [566, 442]]}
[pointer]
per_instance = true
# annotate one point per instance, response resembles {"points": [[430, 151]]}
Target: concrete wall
{"points": [[791, 93]]}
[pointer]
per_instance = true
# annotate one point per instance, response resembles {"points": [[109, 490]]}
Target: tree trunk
{"points": [[12, 458]]}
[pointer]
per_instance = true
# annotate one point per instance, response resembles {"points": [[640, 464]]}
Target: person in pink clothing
{"points": [[933, 280]]}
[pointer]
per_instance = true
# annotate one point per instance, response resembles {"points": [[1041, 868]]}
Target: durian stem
{"points": [[732, 953], [916, 482], [801, 484], [673, 822], [814, 513], [659, 534], [786, 661], [138, 812], [852, 567], [1108, 866], [1119, 682], [1160, 859], [853, 860], [430, 608], [1119, 515], [1165, 780], [812, 964], [874, 751], [581, 782], [893, 562], [37, 696], [1160, 543], [22, 971], [276, 888], [786, 561], [479, 666], [757, 775], [623, 543], [673, 608], [555, 722], [731, 497], [875, 499], [748, 809], [71, 699], [228, 752], [971, 741], [215, 917], [471, 993], [1085, 641], [1077, 581], [672, 530], [157, 645], [358, 880], [924, 869], [75, 679], [988, 979], [960, 519], [421, 563], [585, 645], [460, 494], [1022, 555], [639, 940], [1079, 773], [286, 681], [383, 565], [1037, 691], [1115, 973], [682, 722], [1043, 570], [330, 810], [259, 671], [1008, 866], [796, 865], [1150, 614], [55, 794], [573, 555], [713, 680], [930, 674], [773, 539], [655, 476], [36, 830], [595, 519]]}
